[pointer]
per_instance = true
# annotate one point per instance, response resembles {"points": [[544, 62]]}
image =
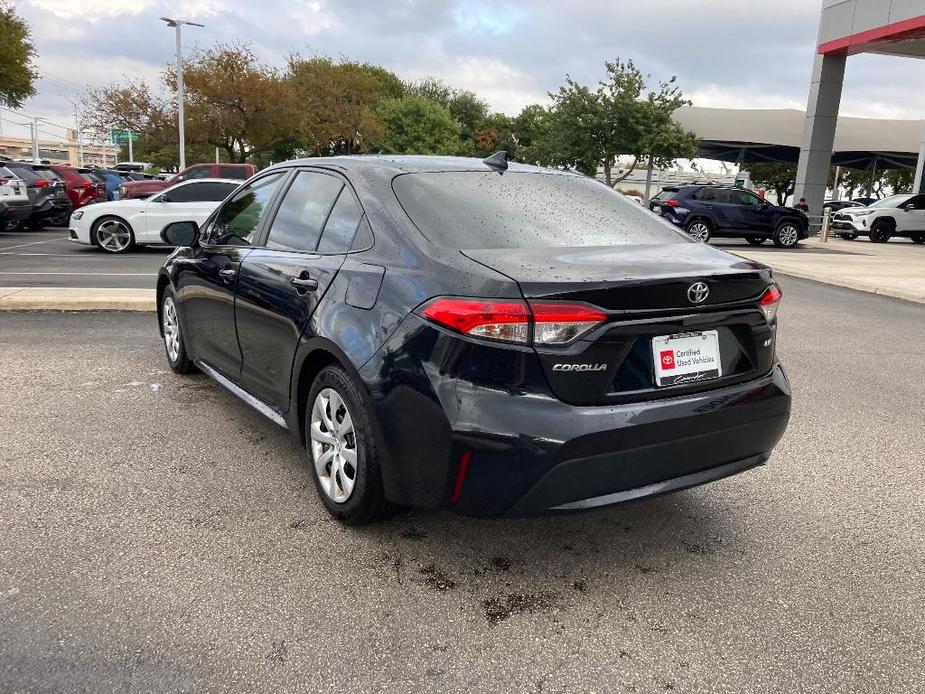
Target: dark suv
{"points": [[436, 334], [707, 211], [47, 192]]}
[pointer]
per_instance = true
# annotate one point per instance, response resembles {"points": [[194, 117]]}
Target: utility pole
{"points": [[131, 155], [33, 128], [177, 23]]}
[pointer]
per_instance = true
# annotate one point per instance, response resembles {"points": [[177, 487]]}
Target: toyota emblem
{"points": [[698, 292]]}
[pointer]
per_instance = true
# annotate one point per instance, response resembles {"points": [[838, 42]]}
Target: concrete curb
{"points": [[896, 293], [76, 299]]}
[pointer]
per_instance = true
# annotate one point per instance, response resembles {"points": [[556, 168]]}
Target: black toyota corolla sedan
{"points": [[497, 339]]}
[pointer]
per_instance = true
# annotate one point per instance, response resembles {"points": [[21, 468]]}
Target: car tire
{"points": [[112, 235], [756, 240], [174, 344], [918, 237], [786, 235], [700, 230], [880, 232], [849, 237], [346, 462]]}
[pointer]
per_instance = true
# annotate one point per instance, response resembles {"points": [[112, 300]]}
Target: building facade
{"points": [[846, 28]]}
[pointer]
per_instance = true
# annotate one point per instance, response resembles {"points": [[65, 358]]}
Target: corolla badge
{"points": [[579, 367], [698, 292]]}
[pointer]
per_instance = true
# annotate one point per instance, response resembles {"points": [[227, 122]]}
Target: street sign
{"points": [[120, 137]]}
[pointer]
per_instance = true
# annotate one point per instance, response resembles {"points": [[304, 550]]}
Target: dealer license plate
{"points": [[686, 358]]}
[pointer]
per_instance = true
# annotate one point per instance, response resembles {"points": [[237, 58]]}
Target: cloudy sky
{"points": [[730, 53]]}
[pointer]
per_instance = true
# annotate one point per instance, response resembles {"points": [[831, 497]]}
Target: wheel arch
{"points": [[886, 219]]}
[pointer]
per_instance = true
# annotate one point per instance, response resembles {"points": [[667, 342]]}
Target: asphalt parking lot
{"points": [[159, 535], [47, 259]]}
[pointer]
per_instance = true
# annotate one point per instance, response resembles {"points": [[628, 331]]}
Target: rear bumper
{"points": [[547, 455], [15, 212]]}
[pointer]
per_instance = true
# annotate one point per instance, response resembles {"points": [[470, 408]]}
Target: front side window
{"points": [[233, 172], [471, 209], [196, 172], [240, 217], [303, 211], [749, 199]]}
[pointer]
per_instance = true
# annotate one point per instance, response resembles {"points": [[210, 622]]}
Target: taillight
{"points": [[672, 203], [511, 320], [41, 183], [769, 302], [85, 184], [496, 320]]}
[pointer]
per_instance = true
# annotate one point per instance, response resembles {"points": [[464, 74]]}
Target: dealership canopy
{"points": [[775, 135]]}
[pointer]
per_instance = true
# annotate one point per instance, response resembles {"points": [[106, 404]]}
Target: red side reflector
{"points": [[461, 473]]}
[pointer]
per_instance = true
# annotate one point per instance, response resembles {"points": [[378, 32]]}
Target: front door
{"points": [[206, 284], [281, 284], [756, 213]]}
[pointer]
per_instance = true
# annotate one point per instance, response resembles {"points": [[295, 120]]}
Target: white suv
{"points": [[897, 215], [15, 207]]}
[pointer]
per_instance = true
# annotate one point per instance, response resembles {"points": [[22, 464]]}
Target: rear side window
{"points": [[705, 194], [240, 172], [341, 225], [525, 210], [28, 175], [303, 212]]}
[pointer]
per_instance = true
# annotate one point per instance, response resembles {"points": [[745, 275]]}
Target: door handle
{"points": [[303, 283], [228, 274]]}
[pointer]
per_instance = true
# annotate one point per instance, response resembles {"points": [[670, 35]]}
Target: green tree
{"points": [[417, 125], [339, 104], [781, 178], [589, 128], [17, 72], [234, 102]]}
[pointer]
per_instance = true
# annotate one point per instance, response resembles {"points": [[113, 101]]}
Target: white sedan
{"points": [[117, 226]]}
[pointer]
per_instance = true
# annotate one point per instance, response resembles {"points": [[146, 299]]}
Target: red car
{"points": [[81, 185], [144, 189]]}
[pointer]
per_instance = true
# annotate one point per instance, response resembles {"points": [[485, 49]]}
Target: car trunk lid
{"points": [[646, 293]]}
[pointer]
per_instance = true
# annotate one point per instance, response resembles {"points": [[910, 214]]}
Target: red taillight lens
{"points": [[85, 184], [557, 324], [672, 203], [769, 302], [510, 321], [41, 183], [496, 320]]}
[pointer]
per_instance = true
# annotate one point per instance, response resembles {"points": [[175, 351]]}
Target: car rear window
{"points": [[525, 209], [89, 177], [667, 194], [28, 175]]}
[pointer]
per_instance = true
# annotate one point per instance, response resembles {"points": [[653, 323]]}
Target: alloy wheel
{"points": [[113, 236], [788, 235], [699, 231], [333, 445], [171, 327]]}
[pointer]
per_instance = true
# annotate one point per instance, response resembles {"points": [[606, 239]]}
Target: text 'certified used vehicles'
{"points": [[498, 339], [120, 225], [708, 211], [897, 215]]}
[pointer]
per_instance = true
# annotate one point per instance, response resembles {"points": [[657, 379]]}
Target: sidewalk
{"points": [[894, 269], [76, 299]]}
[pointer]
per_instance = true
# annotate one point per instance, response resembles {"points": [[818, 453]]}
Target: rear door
{"points": [[206, 283], [281, 283], [914, 216]]}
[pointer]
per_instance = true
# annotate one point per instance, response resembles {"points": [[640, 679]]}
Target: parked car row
{"points": [[146, 188]]}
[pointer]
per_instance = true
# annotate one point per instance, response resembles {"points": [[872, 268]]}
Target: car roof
{"points": [[409, 163], [235, 181]]}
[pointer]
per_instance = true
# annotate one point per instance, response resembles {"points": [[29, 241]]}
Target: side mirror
{"points": [[908, 207], [180, 233]]}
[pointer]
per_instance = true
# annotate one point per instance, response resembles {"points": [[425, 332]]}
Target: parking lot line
{"points": [[85, 274], [33, 243]]}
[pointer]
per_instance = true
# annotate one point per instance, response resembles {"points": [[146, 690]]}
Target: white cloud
{"points": [[716, 96], [92, 10]]}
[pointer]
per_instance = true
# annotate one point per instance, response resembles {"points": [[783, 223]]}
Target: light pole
{"points": [[177, 23]]}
